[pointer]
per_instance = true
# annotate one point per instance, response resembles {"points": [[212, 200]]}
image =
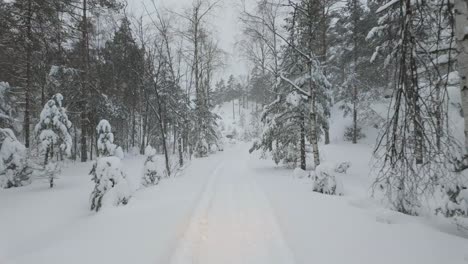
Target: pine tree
{"points": [[8, 108], [14, 171], [53, 133], [351, 52], [111, 186], [105, 141], [150, 172]]}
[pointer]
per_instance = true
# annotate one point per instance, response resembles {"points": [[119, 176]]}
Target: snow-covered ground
{"points": [[230, 207]]}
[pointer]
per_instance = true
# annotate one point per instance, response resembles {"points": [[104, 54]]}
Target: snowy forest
{"points": [[136, 131]]}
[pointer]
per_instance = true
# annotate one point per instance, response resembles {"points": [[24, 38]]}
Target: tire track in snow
{"points": [[233, 221], [187, 246]]}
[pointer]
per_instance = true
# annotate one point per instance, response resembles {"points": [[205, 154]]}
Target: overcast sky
{"points": [[224, 21]]}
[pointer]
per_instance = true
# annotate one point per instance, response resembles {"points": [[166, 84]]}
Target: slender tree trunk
{"points": [[85, 62], [324, 58], [181, 155], [174, 144], [133, 123], [355, 126], [233, 111], [198, 92], [353, 83], [303, 136], [313, 120], [461, 34], [145, 126], [27, 106]]}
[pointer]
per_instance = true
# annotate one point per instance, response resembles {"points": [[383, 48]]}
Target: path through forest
{"points": [[233, 221]]}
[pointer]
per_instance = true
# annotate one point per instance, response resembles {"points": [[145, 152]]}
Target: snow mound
{"points": [[325, 180], [300, 173]]}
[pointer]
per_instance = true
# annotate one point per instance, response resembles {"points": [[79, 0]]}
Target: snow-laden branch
{"points": [[386, 6], [295, 86]]}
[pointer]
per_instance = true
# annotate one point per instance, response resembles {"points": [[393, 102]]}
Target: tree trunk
{"points": [[145, 126], [303, 135], [233, 111], [27, 106], [85, 61], [181, 155], [355, 126], [461, 22], [133, 123], [326, 132], [353, 83], [313, 120]]}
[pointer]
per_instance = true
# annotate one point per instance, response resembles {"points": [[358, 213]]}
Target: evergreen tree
{"points": [[111, 186], [53, 133], [105, 145], [14, 171], [150, 173]]}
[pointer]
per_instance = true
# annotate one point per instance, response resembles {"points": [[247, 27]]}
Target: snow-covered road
{"points": [[233, 221]]}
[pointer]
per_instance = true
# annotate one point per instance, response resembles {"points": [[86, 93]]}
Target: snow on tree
{"points": [[7, 110], [343, 167], [455, 204], [415, 148], [111, 186], [53, 133], [13, 169], [325, 180], [202, 147], [105, 142], [150, 172]]}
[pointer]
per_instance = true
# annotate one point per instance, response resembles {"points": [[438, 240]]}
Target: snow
{"points": [[300, 173], [112, 187], [230, 207], [386, 6], [54, 126], [105, 142], [12, 160]]}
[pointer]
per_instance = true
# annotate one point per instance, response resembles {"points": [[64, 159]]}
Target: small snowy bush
{"points": [[202, 148], [325, 180], [105, 143], [111, 185], [13, 169], [343, 167], [349, 132], [455, 203], [150, 173]]}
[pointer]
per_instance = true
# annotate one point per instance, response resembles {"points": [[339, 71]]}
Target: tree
{"points": [[105, 141], [14, 171], [456, 204], [150, 173], [351, 53], [415, 155], [53, 133], [111, 186], [8, 108]]}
